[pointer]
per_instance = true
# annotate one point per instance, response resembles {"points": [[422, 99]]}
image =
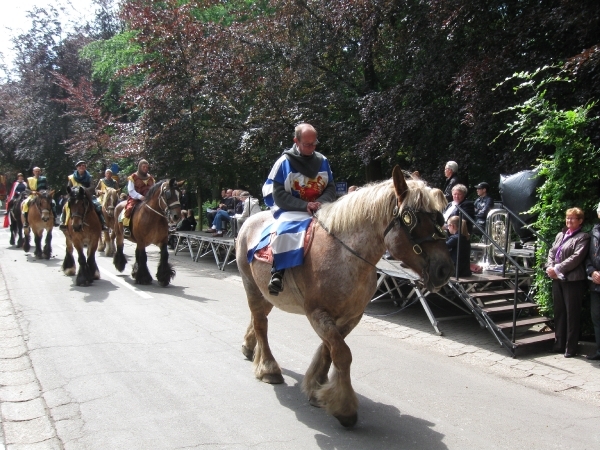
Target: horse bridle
{"points": [[36, 203], [165, 195], [408, 220], [86, 204]]}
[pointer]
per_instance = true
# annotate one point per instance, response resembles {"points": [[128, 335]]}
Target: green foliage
{"points": [[570, 169]]}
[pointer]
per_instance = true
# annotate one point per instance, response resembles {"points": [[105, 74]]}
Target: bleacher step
{"points": [[507, 308], [489, 295], [522, 322], [535, 339]]}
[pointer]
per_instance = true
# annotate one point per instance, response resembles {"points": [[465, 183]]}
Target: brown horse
{"points": [[338, 278], [83, 228], [150, 225], [16, 224], [40, 218], [110, 199]]}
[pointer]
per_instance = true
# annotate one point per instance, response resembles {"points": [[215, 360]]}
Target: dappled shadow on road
{"points": [[379, 426]]}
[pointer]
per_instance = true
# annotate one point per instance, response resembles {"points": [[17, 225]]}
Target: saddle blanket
{"points": [[284, 242]]}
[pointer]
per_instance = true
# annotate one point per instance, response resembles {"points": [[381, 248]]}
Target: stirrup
{"points": [[63, 226], [126, 232]]}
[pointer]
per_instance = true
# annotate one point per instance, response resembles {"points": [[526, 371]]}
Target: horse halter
{"points": [[37, 201], [165, 196], [407, 219], [86, 204]]}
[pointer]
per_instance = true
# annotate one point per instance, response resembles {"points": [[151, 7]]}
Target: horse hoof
{"points": [[97, 275], [348, 421], [314, 401], [272, 378], [70, 272], [249, 354]]}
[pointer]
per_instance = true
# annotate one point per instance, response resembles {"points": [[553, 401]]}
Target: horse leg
{"points": [[37, 239], [27, 239], [68, 265], [20, 234], [13, 232], [83, 274], [102, 241], [165, 271], [265, 366], [93, 270], [48, 245], [143, 274], [110, 245], [337, 395]]}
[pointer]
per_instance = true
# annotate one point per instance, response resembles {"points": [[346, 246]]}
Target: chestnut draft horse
{"points": [[338, 278], [150, 225], [110, 200], [40, 218], [16, 225], [83, 228]]}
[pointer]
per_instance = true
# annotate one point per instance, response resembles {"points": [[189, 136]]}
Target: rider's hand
{"points": [[312, 207], [142, 198]]}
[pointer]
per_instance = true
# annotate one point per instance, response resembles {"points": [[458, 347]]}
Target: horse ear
{"points": [[399, 183], [51, 194], [180, 183]]}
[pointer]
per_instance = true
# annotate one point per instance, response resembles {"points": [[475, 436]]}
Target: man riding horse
{"points": [[18, 187], [300, 181], [35, 183], [81, 177], [138, 185], [107, 182]]}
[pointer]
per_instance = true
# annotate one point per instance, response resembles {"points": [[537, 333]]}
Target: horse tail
{"points": [[120, 260]]}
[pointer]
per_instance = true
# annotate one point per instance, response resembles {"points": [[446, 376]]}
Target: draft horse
{"points": [[83, 228], [338, 278], [40, 219], [16, 224], [110, 200], [150, 225]]}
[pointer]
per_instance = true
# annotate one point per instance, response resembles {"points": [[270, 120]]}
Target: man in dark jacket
{"points": [[592, 267], [483, 204], [451, 174]]}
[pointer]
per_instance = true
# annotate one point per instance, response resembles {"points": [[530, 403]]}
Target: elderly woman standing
{"points": [[565, 267], [592, 267]]}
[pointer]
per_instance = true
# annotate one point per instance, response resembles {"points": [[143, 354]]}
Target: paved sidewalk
{"points": [[24, 416]]}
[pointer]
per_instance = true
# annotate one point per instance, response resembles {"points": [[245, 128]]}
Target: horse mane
{"points": [[152, 191], [373, 203], [107, 193]]}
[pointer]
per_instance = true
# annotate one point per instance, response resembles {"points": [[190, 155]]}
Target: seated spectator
{"points": [[221, 218], [461, 255], [459, 194], [192, 219], [483, 204], [211, 213], [184, 224], [249, 206]]}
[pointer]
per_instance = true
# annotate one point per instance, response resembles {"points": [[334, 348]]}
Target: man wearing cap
{"points": [[107, 182], [451, 174], [138, 185], [81, 177], [35, 183], [483, 204]]}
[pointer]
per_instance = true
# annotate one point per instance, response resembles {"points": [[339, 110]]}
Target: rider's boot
{"points": [[102, 221], [26, 223], [126, 229], [276, 283], [63, 225]]}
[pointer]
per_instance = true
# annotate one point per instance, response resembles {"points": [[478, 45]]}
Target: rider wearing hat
{"points": [[107, 182], [81, 177], [138, 185], [35, 183]]}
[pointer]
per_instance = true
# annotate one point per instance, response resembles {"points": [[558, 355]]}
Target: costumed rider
{"points": [[299, 182], [35, 183], [107, 182], [18, 187], [138, 185], [81, 177]]}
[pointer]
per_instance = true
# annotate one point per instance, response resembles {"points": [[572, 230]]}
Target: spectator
{"points": [[451, 174], [192, 219], [483, 204], [592, 267], [459, 252], [183, 199], [211, 213], [184, 224], [249, 206], [459, 194], [565, 267]]}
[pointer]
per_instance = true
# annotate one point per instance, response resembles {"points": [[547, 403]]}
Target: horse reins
{"points": [[168, 206]]}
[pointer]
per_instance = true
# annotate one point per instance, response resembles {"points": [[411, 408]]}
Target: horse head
{"points": [[110, 200], [79, 204], [170, 196], [415, 235], [43, 202]]}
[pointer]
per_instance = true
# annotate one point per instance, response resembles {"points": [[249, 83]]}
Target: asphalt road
{"points": [[125, 367]]}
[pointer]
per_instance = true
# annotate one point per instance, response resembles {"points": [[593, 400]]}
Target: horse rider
{"points": [[35, 183], [138, 185], [301, 180], [17, 188], [81, 177], [107, 182]]}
